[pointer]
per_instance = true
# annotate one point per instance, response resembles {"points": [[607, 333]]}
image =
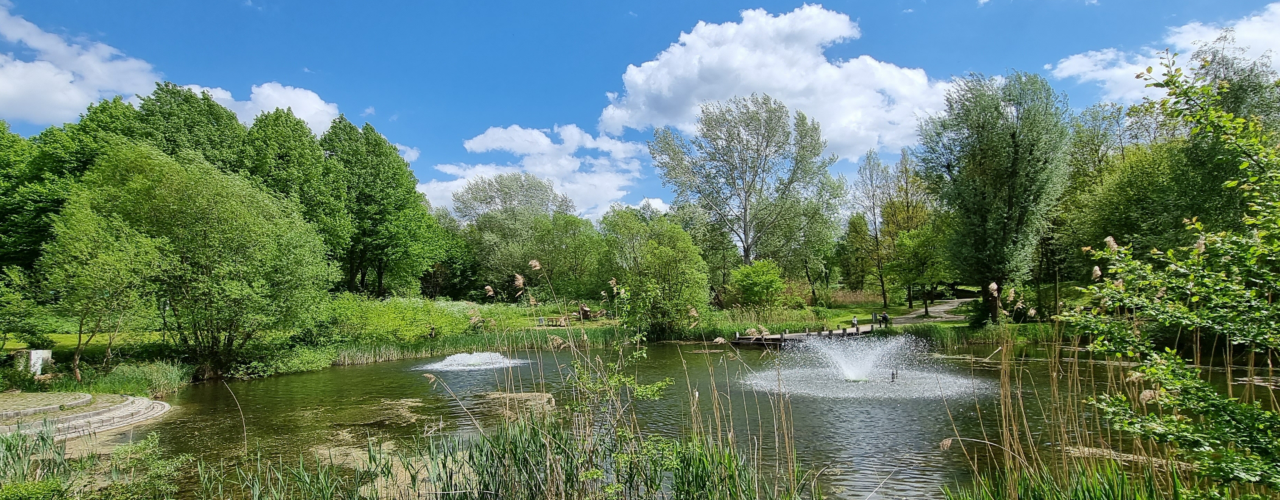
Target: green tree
{"points": [[663, 279], [872, 194], [395, 238], [18, 312], [101, 270], [715, 245], [853, 252], [920, 259], [509, 193], [758, 284], [280, 150], [176, 119], [750, 167], [237, 261], [997, 159]]}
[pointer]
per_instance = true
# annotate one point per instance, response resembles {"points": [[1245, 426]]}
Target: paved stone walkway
{"points": [[98, 413]]}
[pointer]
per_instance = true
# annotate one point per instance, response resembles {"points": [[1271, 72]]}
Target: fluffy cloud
{"points": [[305, 104], [63, 77], [593, 171], [862, 103], [408, 153], [1113, 70]]}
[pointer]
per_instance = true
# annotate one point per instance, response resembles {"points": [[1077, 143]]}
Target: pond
{"points": [[870, 411]]}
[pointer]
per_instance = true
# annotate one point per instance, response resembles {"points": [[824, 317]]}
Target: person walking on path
{"points": [[884, 319], [855, 324]]}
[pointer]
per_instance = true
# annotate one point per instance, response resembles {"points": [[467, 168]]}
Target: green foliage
{"points": [[996, 159], [175, 119], [1220, 285], [759, 284], [18, 313], [49, 489], [507, 194], [280, 150], [139, 471], [236, 261], [758, 173], [852, 253], [660, 272], [395, 237], [352, 319]]}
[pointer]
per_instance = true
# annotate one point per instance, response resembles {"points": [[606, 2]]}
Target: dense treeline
{"points": [[173, 216]]}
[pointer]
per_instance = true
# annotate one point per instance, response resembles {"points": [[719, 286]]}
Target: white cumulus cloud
{"points": [[1113, 70], [62, 78], [408, 153], [862, 103], [593, 171], [305, 104]]}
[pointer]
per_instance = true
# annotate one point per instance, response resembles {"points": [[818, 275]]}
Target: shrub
{"points": [[48, 489], [759, 284], [155, 380]]}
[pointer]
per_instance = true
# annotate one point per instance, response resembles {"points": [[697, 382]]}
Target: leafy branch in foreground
{"points": [[1224, 284]]}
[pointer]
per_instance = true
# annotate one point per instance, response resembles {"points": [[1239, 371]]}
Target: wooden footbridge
{"points": [[777, 339], [942, 311]]}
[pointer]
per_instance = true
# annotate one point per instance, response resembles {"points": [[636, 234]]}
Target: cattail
{"points": [[1160, 293], [519, 281], [532, 301], [537, 266], [693, 312], [945, 444], [1010, 294], [1086, 249], [1148, 396], [1200, 244], [1111, 244], [994, 289], [1119, 283], [604, 294], [1135, 376], [1031, 313], [1097, 273], [1019, 305], [488, 290]]}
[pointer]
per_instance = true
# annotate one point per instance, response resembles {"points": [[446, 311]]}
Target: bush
{"points": [[759, 284], [350, 318], [48, 489]]}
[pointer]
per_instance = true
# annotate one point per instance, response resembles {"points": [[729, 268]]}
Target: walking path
{"points": [[939, 311], [73, 415]]}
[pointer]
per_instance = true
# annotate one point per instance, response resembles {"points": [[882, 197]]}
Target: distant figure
{"points": [[884, 319], [855, 324]]}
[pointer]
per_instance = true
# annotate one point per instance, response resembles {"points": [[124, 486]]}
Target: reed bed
{"points": [[1052, 444]]}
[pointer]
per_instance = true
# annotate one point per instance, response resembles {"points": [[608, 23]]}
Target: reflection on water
{"points": [[886, 426]]}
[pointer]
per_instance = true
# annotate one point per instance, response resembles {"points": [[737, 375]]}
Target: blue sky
{"points": [[570, 90]]}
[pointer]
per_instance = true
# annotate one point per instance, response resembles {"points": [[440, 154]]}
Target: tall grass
{"points": [[156, 380], [1101, 481], [1070, 452]]}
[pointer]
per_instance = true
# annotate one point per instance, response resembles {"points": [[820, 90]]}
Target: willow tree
{"points": [[997, 157], [751, 166]]}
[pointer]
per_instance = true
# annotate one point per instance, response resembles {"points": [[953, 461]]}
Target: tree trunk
{"points": [[911, 304], [925, 300]]}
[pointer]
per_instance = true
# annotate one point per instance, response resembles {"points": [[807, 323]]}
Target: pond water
{"points": [[871, 411]]}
